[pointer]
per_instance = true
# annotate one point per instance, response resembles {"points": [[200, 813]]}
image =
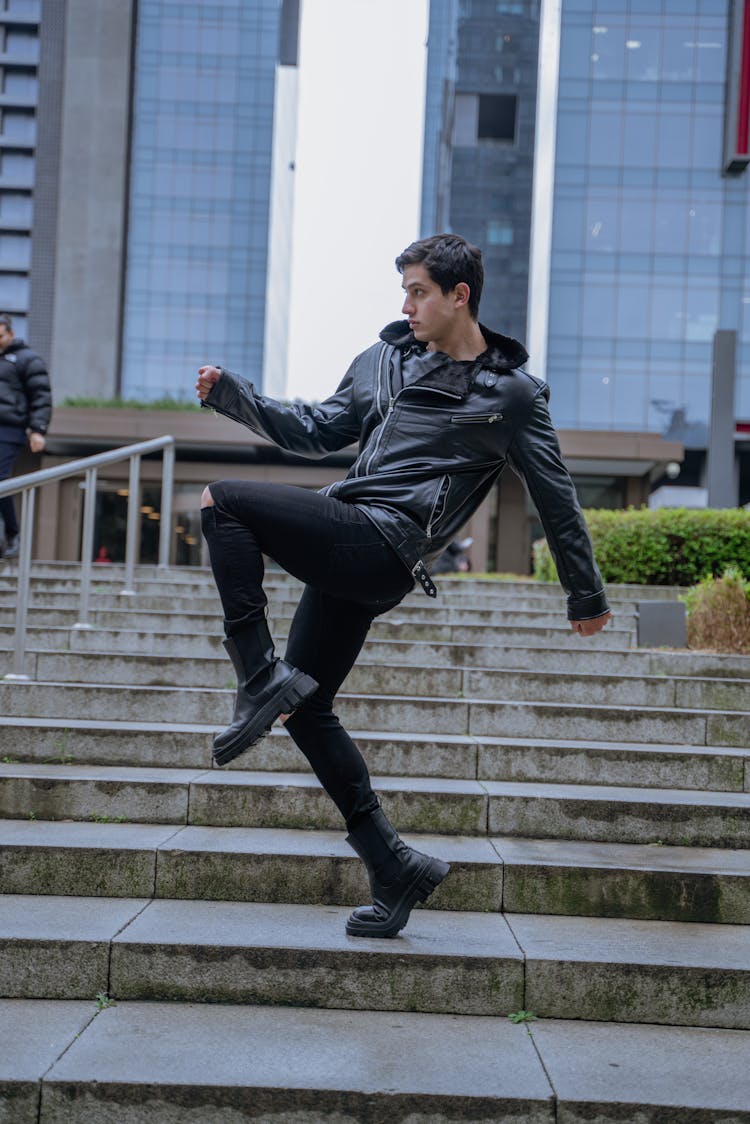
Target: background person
{"points": [[25, 411]]}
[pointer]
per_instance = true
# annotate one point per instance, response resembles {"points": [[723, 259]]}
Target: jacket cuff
{"points": [[586, 608], [224, 391]]}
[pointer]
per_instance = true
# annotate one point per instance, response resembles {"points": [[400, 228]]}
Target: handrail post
{"points": [[167, 486], [87, 547], [134, 511], [22, 586]]}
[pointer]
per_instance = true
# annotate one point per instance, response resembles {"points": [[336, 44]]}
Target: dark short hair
{"points": [[449, 259], [6, 320]]}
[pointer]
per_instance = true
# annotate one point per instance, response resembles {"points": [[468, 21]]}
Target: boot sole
{"points": [[291, 695], [427, 880]]}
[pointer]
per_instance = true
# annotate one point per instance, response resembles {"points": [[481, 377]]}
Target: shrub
{"points": [[667, 546], [718, 613]]}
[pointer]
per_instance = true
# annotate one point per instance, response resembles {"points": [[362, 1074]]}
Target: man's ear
{"points": [[462, 292]]}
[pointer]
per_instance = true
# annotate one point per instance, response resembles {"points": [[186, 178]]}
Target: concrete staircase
{"points": [[172, 942]]}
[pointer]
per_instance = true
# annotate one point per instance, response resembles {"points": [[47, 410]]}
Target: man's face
{"points": [[431, 312], [6, 337]]}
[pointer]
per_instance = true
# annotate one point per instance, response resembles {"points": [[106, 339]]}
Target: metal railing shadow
{"points": [[88, 466]]}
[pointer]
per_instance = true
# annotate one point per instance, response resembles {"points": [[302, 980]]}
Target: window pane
{"points": [[605, 138], [702, 317], [634, 310], [678, 61], [564, 309], [572, 136], [670, 231], [497, 117], [639, 139], [674, 141], [568, 227], [601, 225], [500, 232], [704, 228], [642, 49], [636, 224], [667, 311], [608, 50], [598, 310]]}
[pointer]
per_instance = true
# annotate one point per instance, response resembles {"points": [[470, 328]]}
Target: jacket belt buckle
{"points": [[419, 570]]}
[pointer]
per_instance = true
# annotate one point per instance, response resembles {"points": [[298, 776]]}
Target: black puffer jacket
{"points": [[429, 452], [25, 395]]}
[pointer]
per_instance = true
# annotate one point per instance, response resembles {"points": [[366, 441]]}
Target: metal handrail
{"points": [[28, 485]]}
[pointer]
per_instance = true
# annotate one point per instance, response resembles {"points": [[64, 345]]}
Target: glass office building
{"points": [[200, 190], [639, 244], [479, 141], [650, 243], [19, 61]]}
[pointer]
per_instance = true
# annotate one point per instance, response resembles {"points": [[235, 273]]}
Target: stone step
{"points": [[128, 669], [490, 593], [417, 653], [202, 615], [65, 1061], [52, 741], [281, 605], [646, 882], [611, 970], [384, 628], [391, 713], [436, 805], [253, 952], [200, 577]]}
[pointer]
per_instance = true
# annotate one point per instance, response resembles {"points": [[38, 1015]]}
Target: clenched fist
{"points": [[207, 379]]}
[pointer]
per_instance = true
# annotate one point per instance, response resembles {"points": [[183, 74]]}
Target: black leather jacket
{"points": [[429, 452], [25, 396]]}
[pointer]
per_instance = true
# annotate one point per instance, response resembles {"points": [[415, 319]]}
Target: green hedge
{"points": [[667, 546]]}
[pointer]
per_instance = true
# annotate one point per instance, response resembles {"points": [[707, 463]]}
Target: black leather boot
{"points": [[266, 688], [399, 877]]}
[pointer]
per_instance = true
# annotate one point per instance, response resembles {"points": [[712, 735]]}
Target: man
{"points": [[25, 409], [439, 407]]}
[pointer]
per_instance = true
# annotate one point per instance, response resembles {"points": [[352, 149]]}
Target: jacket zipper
{"points": [[469, 419], [442, 494], [378, 386], [391, 403]]}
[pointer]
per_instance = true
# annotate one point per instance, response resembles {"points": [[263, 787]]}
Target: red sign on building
{"points": [[737, 108]]}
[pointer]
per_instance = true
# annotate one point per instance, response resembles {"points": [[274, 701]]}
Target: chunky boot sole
{"points": [[427, 879], [291, 695]]}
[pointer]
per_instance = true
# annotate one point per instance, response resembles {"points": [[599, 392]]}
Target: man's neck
{"points": [[467, 344]]}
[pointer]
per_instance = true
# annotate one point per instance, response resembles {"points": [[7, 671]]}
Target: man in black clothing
{"points": [[25, 410], [438, 407]]}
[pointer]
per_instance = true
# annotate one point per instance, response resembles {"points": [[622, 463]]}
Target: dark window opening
{"points": [[497, 117]]}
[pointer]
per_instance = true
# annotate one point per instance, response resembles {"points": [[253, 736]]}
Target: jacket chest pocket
{"points": [[475, 419]]}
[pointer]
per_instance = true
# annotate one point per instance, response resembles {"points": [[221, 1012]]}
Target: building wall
{"points": [[47, 173], [440, 92], [650, 243], [485, 186], [92, 150], [19, 89], [200, 191]]}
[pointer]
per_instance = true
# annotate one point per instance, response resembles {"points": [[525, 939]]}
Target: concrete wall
{"points": [[92, 200]]}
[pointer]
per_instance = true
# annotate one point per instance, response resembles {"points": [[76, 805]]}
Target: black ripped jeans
{"points": [[351, 576]]}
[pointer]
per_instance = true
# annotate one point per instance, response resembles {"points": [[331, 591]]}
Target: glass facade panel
{"points": [[199, 193], [663, 238]]}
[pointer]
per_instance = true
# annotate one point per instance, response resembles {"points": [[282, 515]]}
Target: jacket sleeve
{"points": [[535, 456], [309, 430], [38, 393]]}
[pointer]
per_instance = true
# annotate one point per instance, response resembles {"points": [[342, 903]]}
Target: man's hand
{"points": [[207, 379], [588, 628], [37, 442]]}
